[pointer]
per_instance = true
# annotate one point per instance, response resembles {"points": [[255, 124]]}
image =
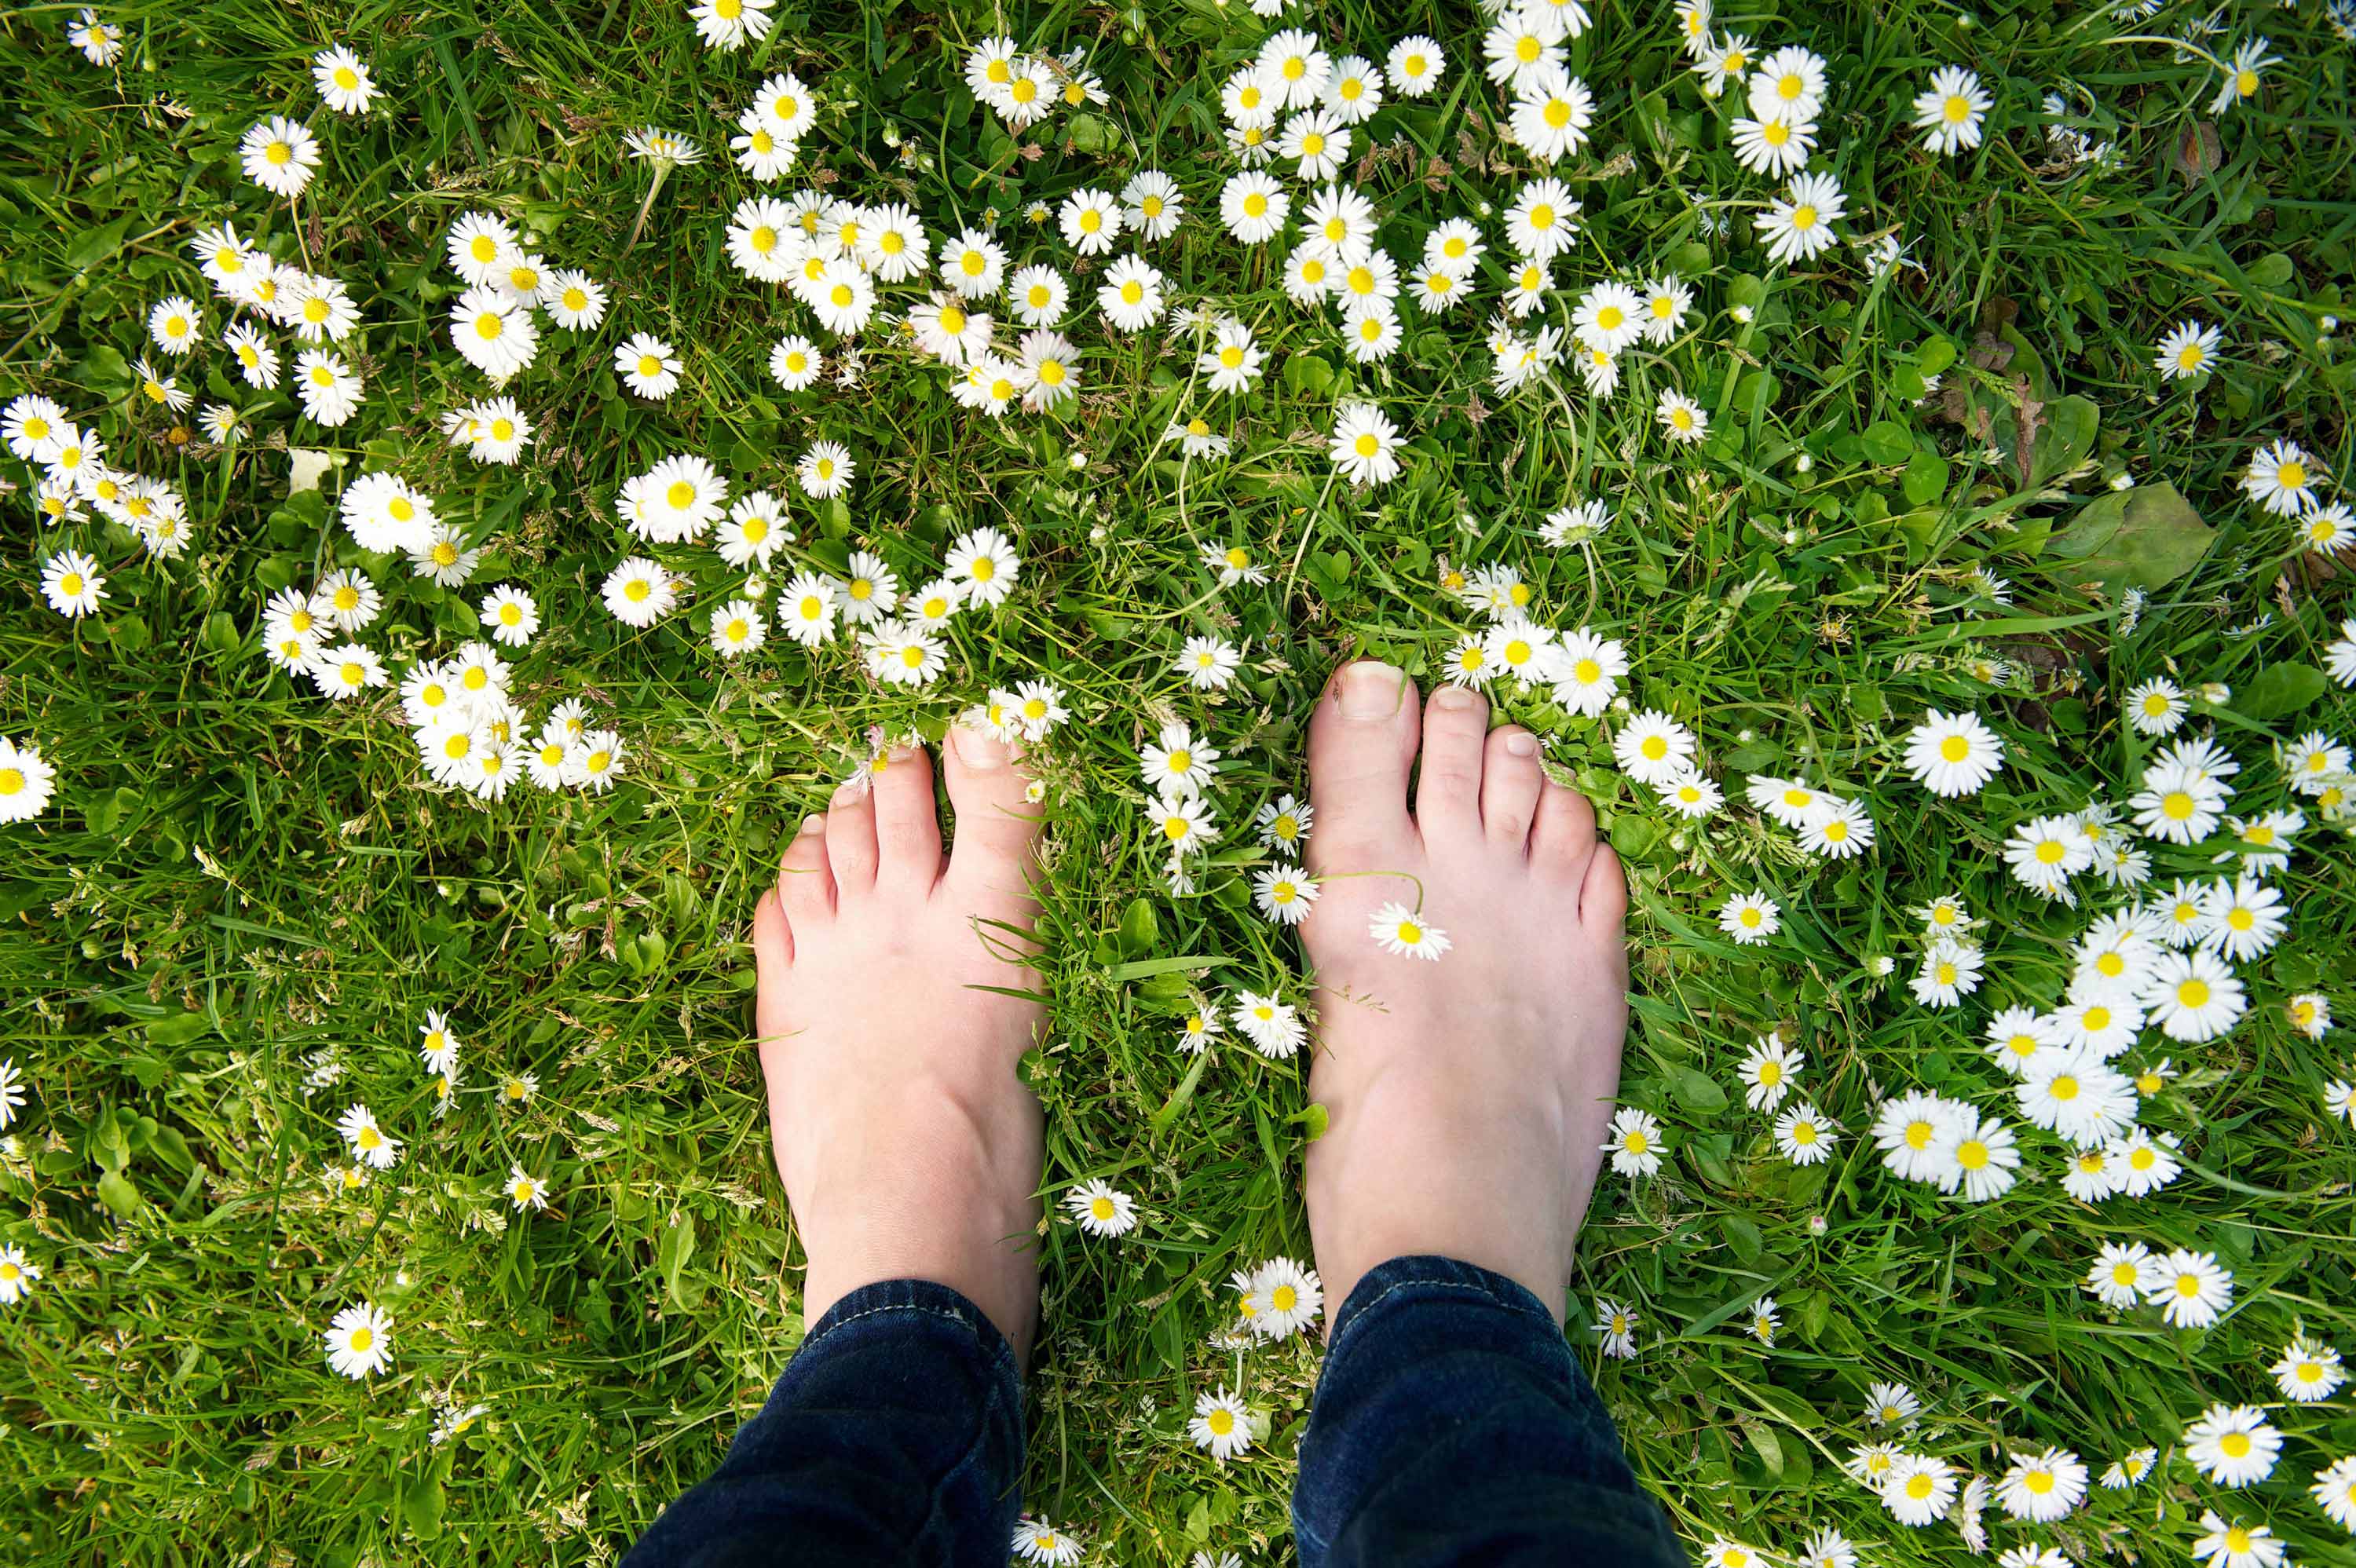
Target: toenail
{"points": [[904, 753], [1522, 743], [1370, 691], [978, 751], [1454, 698], [813, 823], [849, 791]]}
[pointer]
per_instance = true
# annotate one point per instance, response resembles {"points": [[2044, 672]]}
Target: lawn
{"points": [[1940, 473]]}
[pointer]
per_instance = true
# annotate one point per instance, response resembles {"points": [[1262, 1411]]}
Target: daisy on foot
{"points": [[1468, 1078], [909, 1145]]}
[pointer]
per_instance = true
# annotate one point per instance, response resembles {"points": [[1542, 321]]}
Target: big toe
{"points": [[997, 825], [1362, 740]]}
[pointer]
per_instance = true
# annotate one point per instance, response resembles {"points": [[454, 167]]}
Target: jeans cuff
{"points": [[922, 1297], [1424, 1275]]}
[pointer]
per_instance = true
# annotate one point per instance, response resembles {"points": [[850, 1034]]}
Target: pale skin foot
{"points": [[1468, 1098], [909, 1146]]}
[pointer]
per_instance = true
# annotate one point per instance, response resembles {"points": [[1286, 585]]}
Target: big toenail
{"points": [[978, 751], [1453, 698], [904, 753], [1522, 743], [1370, 691]]}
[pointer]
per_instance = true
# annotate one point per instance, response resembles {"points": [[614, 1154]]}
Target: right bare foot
{"points": [[1467, 1098], [909, 1145]]}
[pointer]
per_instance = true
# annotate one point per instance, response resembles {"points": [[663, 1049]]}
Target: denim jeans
{"points": [[1452, 1426]]}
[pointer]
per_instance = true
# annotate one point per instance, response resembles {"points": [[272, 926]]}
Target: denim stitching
{"points": [[960, 1319], [1471, 1286]]}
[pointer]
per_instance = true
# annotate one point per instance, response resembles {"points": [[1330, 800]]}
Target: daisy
{"points": [[27, 782], [647, 366], [359, 1341], [1414, 65], [1827, 1548], [1222, 1425], [72, 584], [2046, 852], [739, 626], [2334, 1492], [1404, 932], [1841, 832], [1765, 1318], [1232, 362], [1653, 747], [2157, 707], [175, 324], [2309, 1371], [1584, 672], [825, 470], [1776, 147], [2233, 1444], [1978, 1154], [1318, 142], [1790, 81], [2121, 1273], [807, 609], [1552, 110], [1950, 112], [369, 1143], [1209, 663], [1355, 89], [1681, 419], [2242, 75], [1273, 1028], [1364, 444], [525, 1191], [1768, 1071], [1285, 825], [2195, 996], [1284, 893], [330, 390], [638, 593], [1918, 1489], [1636, 1145], [100, 42], [343, 81], [1806, 1135], [905, 655], [1892, 1404], [2237, 1545], [1799, 224], [2190, 1288], [279, 155], [1048, 370], [1617, 1325], [2281, 479], [2188, 350], [973, 265], [1131, 295], [1750, 918], [2310, 1013], [2042, 1487], [1253, 207], [1952, 754], [1100, 1209], [1152, 205], [1037, 1541], [728, 25], [1543, 222], [1723, 61]]}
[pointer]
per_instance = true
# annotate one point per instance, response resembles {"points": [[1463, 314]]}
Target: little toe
{"points": [[1361, 740], [850, 839], [1563, 840], [1511, 780], [1604, 895], [1448, 789], [773, 937], [804, 884], [907, 829], [996, 824]]}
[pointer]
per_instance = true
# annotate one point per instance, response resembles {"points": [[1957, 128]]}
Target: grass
{"points": [[239, 877]]}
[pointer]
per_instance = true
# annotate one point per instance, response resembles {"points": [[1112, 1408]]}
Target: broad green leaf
{"points": [[2145, 538], [2280, 690]]}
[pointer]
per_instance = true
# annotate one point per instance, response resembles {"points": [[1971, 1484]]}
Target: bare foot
{"points": [[1468, 1097], [909, 1146]]}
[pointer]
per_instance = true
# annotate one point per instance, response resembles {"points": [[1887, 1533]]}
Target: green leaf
{"points": [[1926, 478], [1696, 1090], [1888, 443], [115, 1190], [1139, 927], [423, 1507], [674, 1249], [179, 1029], [1935, 355], [2145, 538], [1307, 374], [2280, 690], [2069, 435]]}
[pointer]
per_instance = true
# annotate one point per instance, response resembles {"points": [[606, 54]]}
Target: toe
{"points": [[996, 827], [1563, 841], [805, 885], [907, 829], [1510, 782], [850, 839], [773, 938], [1603, 896], [1361, 741], [1448, 789]]}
